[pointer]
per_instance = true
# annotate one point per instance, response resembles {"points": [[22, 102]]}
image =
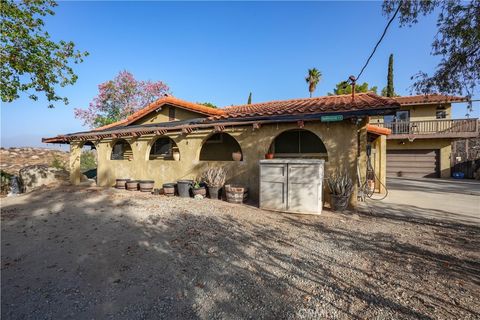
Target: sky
{"points": [[219, 52]]}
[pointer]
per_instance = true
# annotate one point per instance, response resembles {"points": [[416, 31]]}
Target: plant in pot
{"points": [[237, 156], [269, 155], [341, 189], [215, 179], [199, 189]]}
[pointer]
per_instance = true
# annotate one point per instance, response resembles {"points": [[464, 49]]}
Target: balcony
{"points": [[445, 128]]}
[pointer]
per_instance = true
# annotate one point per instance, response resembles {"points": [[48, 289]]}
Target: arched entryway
{"points": [[298, 143], [163, 148], [88, 160], [121, 150], [221, 147]]}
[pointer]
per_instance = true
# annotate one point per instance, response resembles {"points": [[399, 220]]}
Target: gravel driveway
{"points": [[110, 254]]}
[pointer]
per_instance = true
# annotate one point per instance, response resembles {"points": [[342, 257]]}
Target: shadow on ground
{"points": [[84, 254]]}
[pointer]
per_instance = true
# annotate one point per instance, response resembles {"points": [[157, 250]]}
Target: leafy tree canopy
{"points": [[346, 88], [119, 98], [29, 60], [456, 43], [208, 104]]}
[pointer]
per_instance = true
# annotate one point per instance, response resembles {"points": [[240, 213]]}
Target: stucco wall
{"points": [[419, 112], [444, 145], [163, 115], [340, 140]]}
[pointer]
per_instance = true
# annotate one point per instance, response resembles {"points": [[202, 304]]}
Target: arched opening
{"points": [[221, 147], [163, 149], [298, 143], [88, 160], [121, 150]]}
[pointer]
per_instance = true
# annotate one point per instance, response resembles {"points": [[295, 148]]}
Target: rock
{"points": [[83, 178], [34, 157], [33, 177]]}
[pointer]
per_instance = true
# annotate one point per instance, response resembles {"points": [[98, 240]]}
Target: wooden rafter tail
{"points": [[301, 124], [219, 128], [187, 130], [256, 125]]}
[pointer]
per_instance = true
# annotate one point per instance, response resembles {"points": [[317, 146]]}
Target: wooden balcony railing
{"points": [[447, 128]]}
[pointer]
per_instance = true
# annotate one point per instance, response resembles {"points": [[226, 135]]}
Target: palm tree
{"points": [[313, 78]]}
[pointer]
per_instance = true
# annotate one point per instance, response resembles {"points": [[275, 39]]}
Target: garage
{"points": [[424, 163]]}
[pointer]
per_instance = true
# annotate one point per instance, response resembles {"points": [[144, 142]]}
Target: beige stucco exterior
{"points": [[443, 145], [424, 112], [340, 139]]}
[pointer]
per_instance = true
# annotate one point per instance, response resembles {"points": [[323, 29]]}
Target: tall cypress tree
{"points": [[249, 98], [390, 89]]}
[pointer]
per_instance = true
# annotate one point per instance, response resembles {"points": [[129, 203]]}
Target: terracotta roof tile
{"points": [[160, 102], [429, 99], [326, 104], [378, 130]]}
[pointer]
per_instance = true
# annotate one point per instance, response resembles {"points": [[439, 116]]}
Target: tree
{"points": [[456, 42], [389, 91], [30, 61], [313, 78], [119, 98], [208, 104], [249, 98], [346, 88]]}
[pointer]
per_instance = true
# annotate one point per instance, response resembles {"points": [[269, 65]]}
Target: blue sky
{"points": [[220, 51]]}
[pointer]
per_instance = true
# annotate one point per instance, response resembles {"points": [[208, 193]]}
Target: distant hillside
{"points": [[13, 159]]}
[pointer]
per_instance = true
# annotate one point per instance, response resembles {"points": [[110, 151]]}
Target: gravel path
{"points": [[110, 254]]}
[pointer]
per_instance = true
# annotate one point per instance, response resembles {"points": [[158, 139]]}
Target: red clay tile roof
{"points": [[429, 99], [378, 130], [318, 105], [160, 102]]}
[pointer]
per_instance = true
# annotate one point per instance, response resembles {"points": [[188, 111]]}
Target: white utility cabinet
{"points": [[291, 185]]}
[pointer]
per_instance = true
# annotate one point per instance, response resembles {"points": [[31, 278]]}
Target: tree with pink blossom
{"points": [[119, 98]]}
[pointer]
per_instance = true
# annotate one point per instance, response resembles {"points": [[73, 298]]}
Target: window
{"points": [[121, 151], [162, 148], [441, 114], [298, 143], [171, 114]]}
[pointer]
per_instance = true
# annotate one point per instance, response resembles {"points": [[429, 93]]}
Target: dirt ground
{"points": [[108, 254]]}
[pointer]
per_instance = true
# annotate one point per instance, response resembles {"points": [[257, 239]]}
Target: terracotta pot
{"points": [[236, 193], [146, 185], [200, 190], [132, 185], [169, 189], [269, 156], [176, 156], [237, 156], [120, 183]]}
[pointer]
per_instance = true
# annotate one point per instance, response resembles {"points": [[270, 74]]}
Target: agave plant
{"points": [[340, 184], [215, 177]]}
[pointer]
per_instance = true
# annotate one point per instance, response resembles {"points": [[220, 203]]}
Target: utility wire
{"points": [[380, 40]]}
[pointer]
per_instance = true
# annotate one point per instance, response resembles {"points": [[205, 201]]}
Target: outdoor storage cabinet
{"points": [[291, 185]]}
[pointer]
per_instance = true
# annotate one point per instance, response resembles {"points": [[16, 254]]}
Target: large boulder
{"points": [[35, 176]]}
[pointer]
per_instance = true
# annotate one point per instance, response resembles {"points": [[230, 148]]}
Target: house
{"points": [[334, 128], [422, 135]]}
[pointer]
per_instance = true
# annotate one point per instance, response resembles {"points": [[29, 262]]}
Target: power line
{"points": [[380, 40]]}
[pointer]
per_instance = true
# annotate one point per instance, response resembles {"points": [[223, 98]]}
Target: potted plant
{"points": [[237, 156], [215, 179], [341, 189], [199, 189], [269, 155]]}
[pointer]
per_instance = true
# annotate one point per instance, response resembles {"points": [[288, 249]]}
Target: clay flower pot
{"points": [[176, 155], [236, 156], [269, 156]]}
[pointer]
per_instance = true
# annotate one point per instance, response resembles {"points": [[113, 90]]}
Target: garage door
{"points": [[413, 163]]}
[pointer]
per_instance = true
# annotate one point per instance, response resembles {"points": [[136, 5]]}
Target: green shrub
{"points": [[5, 182], [57, 163], [87, 161]]}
